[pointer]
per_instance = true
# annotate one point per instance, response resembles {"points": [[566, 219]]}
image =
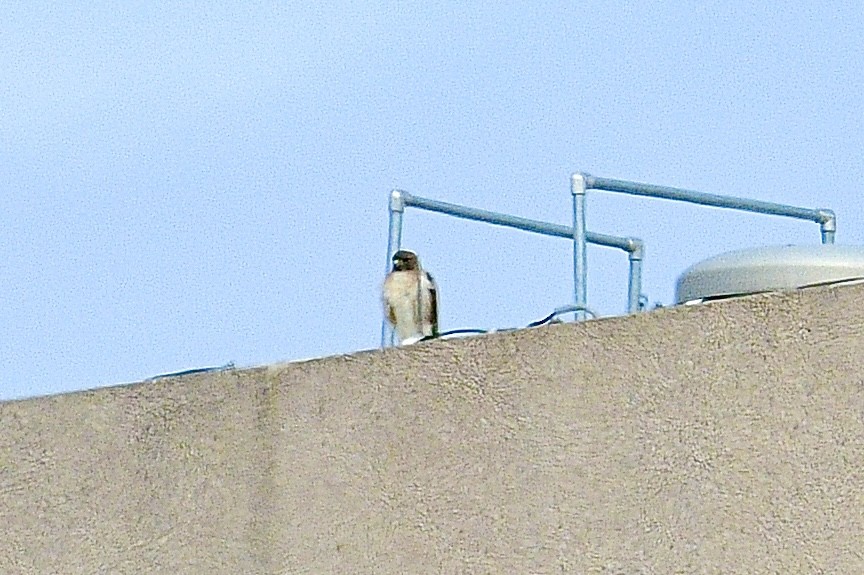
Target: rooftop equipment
{"points": [[772, 268]]}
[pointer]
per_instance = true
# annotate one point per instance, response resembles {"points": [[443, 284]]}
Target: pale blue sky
{"points": [[187, 184]]}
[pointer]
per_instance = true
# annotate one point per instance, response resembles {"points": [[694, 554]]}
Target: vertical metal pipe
{"points": [[580, 264], [828, 226], [634, 287], [397, 208], [394, 242]]}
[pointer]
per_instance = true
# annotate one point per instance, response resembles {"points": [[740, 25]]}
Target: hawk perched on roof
{"points": [[411, 299]]}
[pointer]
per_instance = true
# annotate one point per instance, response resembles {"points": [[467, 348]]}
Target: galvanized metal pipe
{"points": [[580, 261], [825, 218], [633, 246], [634, 284], [828, 227], [505, 220], [394, 242], [394, 239], [399, 200]]}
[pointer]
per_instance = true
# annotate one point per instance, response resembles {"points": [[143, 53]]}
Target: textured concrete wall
{"points": [[726, 438]]}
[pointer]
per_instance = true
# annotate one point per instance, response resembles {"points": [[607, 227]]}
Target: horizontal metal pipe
{"points": [[626, 244], [745, 204]]}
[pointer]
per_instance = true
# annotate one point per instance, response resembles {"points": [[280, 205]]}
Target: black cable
{"points": [[559, 311], [454, 332], [226, 367], [545, 320]]}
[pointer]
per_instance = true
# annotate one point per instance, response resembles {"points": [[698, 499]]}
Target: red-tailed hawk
{"points": [[411, 299]]}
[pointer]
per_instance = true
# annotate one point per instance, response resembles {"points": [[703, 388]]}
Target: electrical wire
{"points": [[561, 311], [546, 320], [228, 366]]}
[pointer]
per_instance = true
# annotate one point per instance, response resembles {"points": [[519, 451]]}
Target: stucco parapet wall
{"points": [[721, 438]]}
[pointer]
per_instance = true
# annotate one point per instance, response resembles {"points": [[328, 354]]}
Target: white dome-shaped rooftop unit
{"points": [[773, 268]]}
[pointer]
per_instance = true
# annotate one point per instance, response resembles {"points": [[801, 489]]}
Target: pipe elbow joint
{"points": [[397, 200], [828, 220], [579, 183], [635, 249]]}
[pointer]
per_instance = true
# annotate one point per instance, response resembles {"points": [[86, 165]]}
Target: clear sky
{"points": [[186, 184]]}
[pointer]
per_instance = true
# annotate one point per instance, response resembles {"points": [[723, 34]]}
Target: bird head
{"points": [[405, 260]]}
